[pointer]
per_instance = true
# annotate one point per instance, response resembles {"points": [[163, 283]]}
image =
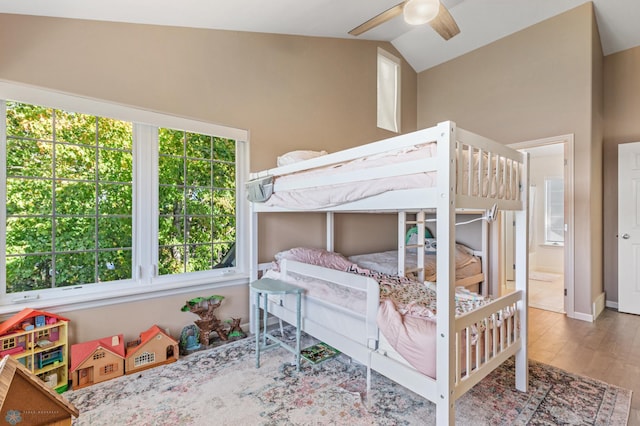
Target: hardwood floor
{"points": [[608, 349]]}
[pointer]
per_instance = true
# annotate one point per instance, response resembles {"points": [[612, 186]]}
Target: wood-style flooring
{"points": [[607, 349]]}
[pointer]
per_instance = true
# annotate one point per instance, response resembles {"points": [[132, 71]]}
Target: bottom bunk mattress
{"points": [[407, 312]]}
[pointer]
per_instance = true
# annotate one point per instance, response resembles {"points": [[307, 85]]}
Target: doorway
{"points": [[550, 225]]}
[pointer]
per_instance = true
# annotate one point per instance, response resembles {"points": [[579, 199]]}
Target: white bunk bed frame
{"points": [[453, 375]]}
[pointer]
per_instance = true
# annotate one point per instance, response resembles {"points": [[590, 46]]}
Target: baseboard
{"points": [[612, 304], [598, 305], [582, 317]]}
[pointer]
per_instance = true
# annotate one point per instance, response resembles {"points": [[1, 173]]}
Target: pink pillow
{"points": [[319, 257]]}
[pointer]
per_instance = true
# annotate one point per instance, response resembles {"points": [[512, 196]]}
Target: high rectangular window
{"points": [[388, 91]]}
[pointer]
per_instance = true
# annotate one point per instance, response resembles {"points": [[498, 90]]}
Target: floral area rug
{"points": [[222, 386]]}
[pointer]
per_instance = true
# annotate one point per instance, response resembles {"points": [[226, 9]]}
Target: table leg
{"points": [[256, 327], [298, 306], [265, 299]]}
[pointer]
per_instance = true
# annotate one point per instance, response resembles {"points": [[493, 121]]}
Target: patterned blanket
{"points": [[416, 299]]}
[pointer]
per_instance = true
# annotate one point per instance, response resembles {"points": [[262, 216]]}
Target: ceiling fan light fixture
{"points": [[418, 12]]}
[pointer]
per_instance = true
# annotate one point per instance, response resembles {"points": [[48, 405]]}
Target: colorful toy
{"points": [[25, 399], [153, 348], [189, 340], [38, 340], [97, 361], [204, 307]]}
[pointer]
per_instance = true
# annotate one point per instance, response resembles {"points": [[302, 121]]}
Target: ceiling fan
{"points": [[416, 12]]}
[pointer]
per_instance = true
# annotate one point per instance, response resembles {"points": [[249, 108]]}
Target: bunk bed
{"points": [[441, 170]]}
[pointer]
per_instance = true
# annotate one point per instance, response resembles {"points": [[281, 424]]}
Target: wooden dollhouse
{"points": [[97, 361], [38, 340], [24, 399], [154, 348]]}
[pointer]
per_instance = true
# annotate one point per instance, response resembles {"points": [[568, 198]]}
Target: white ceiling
{"points": [[481, 21]]}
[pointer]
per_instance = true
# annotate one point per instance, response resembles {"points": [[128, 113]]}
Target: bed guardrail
{"points": [[486, 337]]}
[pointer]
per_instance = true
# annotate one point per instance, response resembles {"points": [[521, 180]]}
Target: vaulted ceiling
{"points": [[481, 21]]}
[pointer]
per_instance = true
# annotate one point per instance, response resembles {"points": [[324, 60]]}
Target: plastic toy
{"points": [[153, 348], [97, 361], [38, 340]]}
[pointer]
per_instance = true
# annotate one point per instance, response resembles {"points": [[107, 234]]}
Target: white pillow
{"points": [[295, 156]]}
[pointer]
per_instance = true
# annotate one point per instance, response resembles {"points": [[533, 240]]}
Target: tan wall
{"points": [[290, 92], [596, 190], [621, 125], [533, 84]]}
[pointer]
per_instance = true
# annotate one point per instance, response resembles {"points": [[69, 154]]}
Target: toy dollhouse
{"points": [[24, 399], [38, 340], [155, 347], [97, 361]]}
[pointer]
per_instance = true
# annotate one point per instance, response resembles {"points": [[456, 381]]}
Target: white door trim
{"points": [[569, 247]]}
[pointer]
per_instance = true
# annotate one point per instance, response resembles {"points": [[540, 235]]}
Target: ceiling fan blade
{"points": [[378, 19], [444, 24]]}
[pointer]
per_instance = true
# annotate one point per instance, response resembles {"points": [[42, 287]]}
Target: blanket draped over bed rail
{"points": [[439, 169]]}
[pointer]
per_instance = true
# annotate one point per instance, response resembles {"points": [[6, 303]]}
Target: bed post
{"points": [[402, 250], [330, 243], [253, 262], [445, 215], [485, 258], [522, 275]]}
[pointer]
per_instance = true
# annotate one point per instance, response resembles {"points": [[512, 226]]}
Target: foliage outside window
{"points": [[554, 211], [68, 198], [196, 201], [70, 209]]}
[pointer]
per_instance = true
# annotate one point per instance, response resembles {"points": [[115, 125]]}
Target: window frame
{"points": [[145, 282]]}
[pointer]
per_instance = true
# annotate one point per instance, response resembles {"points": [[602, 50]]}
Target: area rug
{"points": [[222, 386]]}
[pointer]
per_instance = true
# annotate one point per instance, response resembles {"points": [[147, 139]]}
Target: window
{"points": [[99, 355], [144, 358], [8, 343], [109, 369], [388, 91], [554, 211], [68, 203], [98, 193], [197, 201]]}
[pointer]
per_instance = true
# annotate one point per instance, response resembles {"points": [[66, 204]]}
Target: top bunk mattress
{"points": [[348, 181], [342, 177]]}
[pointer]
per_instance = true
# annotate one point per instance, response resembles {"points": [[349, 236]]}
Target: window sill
{"points": [[552, 245], [64, 302]]}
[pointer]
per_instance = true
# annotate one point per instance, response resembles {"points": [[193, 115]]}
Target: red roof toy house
{"points": [[97, 361], [155, 347], [25, 399], [38, 340]]}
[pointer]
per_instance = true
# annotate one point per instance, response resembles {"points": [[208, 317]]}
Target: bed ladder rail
{"points": [[404, 247]]}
